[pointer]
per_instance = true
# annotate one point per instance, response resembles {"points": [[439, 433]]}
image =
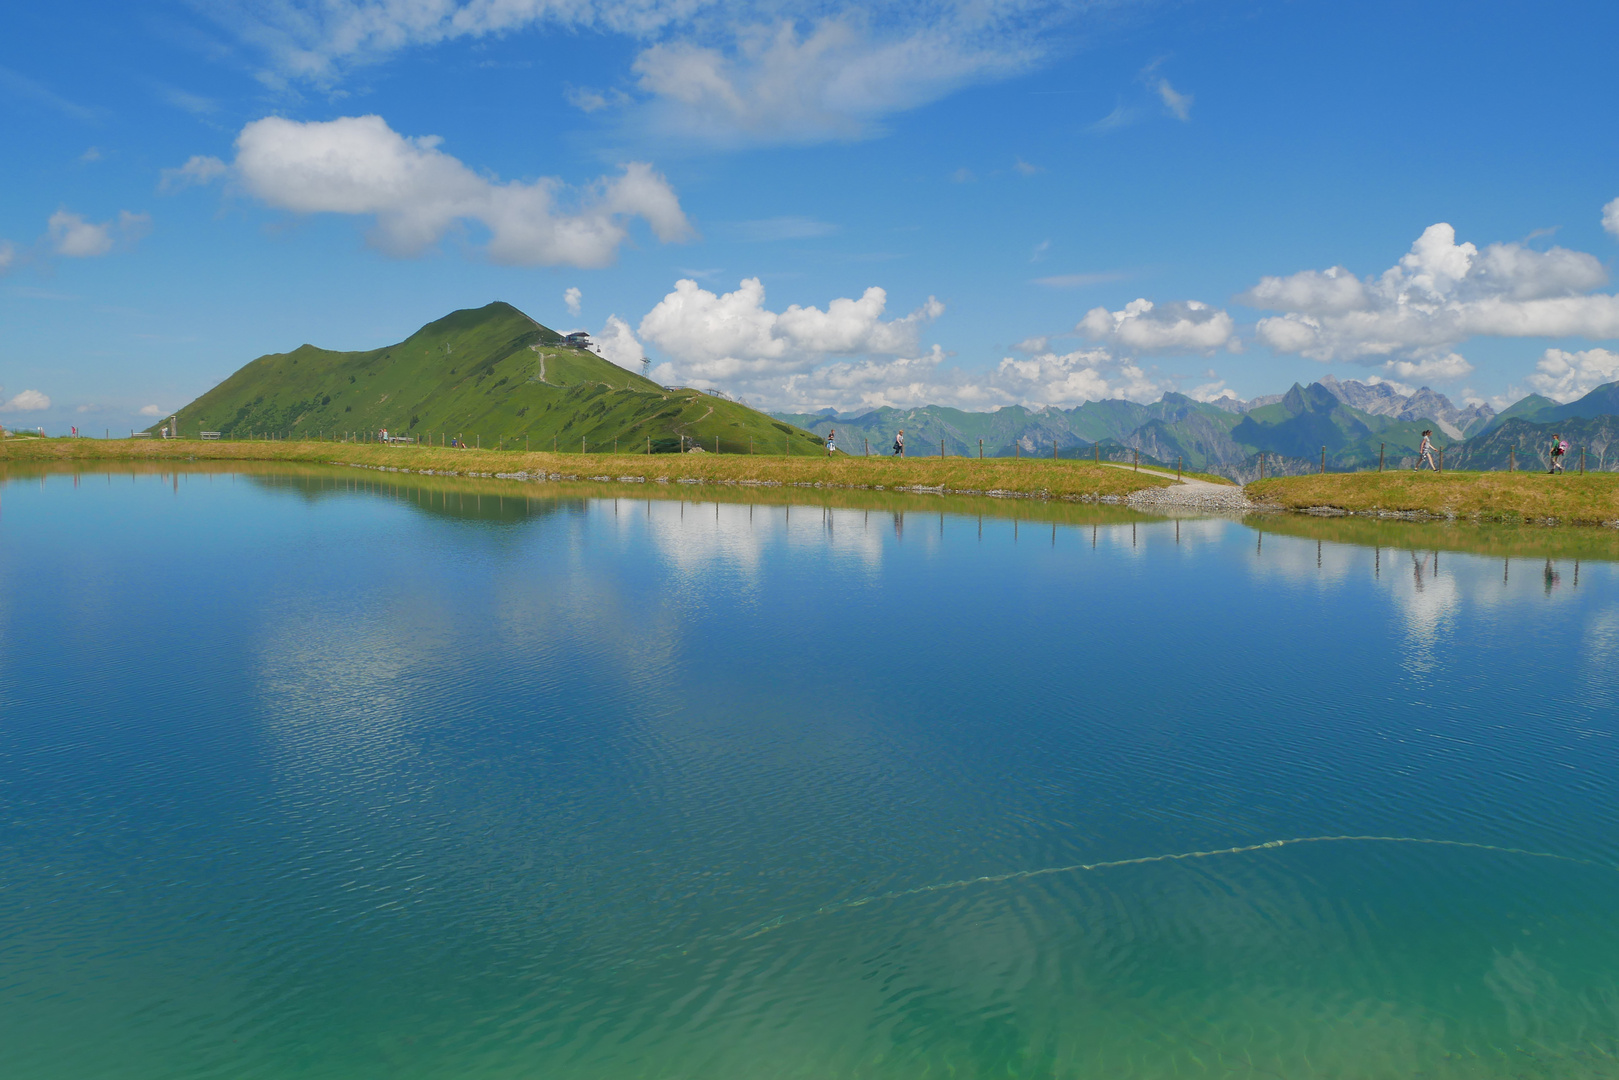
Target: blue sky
{"points": [[815, 205]]}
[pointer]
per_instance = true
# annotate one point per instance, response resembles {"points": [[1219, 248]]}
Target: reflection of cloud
{"points": [[1428, 601], [714, 537]]}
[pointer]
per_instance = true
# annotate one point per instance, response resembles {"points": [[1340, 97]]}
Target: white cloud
{"points": [[198, 169], [28, 401], [772, 83], [587, 100], [617, 343], [571, 298], [716, 70], [8, 255], [1037, 344], [735, 337], [1145, 327], [72, 235], [1564, 376], [1026, 169], [75, 237], [1438, 368], [1610, 217], [1439, 294], [1180, 105], [416, 193], [150, 410]]}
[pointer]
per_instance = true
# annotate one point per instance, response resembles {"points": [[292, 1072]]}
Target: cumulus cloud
{"points": [[617, 343], [28, 401], [8, 255], [75, 237], [571, 298], [1564, 376], [1179, 105], [1143, 326], [1610, 217], [734, 336], [1046, 379], [415, 193], [197, 170], [1438, 295], [1439, 368], [150, 410]]}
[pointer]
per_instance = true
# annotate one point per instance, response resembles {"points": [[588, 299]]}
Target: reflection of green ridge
{"points": [[505, 502], [1500, 541]]}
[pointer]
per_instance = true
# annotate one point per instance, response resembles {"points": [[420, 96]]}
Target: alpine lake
{"points": [[330, 773]]}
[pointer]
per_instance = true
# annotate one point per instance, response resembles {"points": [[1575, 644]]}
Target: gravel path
{"points": [[1189, 494]]}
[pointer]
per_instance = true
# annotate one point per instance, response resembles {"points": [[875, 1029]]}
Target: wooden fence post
{"points": [[981, 450], [1323, 461], [1138, 460], [1582, 461], [1379, 457], [1178, 476], [1053, 449], [941, 448], [1262, 465], [1512, 455]]}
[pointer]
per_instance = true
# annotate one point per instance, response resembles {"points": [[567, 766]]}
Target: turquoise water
{"points": [[329, 776]]}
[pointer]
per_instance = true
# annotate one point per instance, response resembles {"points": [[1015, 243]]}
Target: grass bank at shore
{"points": [[1036, 477], [1592, 499]]}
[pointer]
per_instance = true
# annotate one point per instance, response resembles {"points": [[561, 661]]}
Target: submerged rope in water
{"points": [[1076, 868]]}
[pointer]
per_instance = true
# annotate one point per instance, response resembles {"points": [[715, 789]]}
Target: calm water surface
{"points": [[326, 776]]}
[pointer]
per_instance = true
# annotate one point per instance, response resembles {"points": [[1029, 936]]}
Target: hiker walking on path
{"points": [[1425, 453], [1559, 448], [899, 443]]}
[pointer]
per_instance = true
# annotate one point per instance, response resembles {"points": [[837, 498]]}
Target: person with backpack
{"points": [[899, 443], [831, 441], [1559, 448], [1425, 453]]}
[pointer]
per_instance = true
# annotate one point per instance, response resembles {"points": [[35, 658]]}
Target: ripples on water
{"points": [[329, 776]]}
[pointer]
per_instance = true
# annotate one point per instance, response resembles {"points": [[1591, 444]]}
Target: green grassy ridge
{"points": [[489, 376], [1028, 476], [1592, 499]]}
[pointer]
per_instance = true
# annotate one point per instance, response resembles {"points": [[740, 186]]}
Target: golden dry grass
{"points": [[1023, 476], [1488, 496]]}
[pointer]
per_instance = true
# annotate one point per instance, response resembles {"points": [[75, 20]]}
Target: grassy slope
{"points": [[1498, 496], [1058, 479], [488, 375]]}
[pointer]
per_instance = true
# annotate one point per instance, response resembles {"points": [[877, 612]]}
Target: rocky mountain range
{"points": [[1350, 424]]}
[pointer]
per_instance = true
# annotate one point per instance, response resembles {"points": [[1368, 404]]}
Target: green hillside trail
{"points": [[489, 377]]}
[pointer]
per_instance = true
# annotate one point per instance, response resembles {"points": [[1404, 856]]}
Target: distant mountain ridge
{"points": [[1354, 424]]}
